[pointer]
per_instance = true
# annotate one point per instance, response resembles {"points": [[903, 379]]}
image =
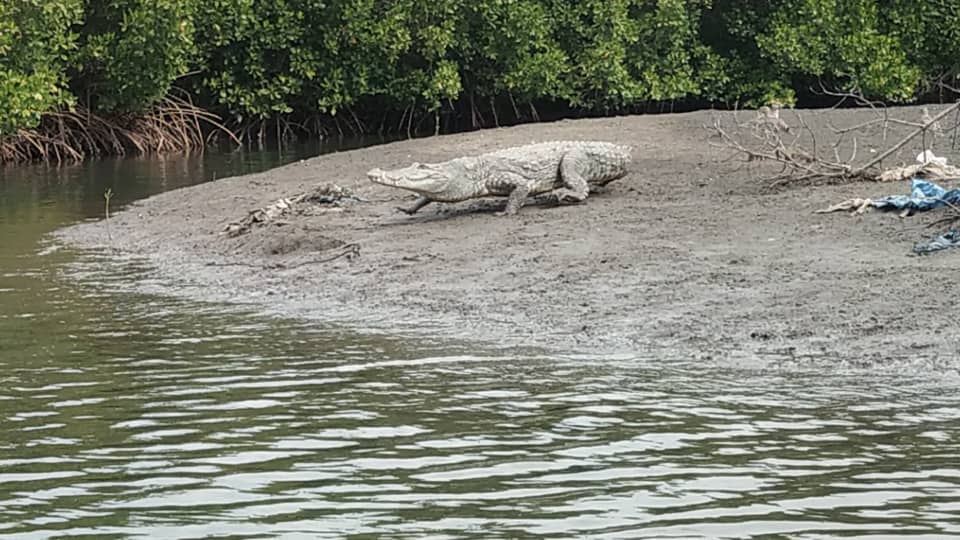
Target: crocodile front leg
{"points": [[417, 205], [516, 199]]}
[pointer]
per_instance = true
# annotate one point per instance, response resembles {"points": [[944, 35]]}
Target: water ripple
{"points": [[169, 421]]}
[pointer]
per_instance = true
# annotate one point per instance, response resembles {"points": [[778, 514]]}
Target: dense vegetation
{"points": [[389, 65]]}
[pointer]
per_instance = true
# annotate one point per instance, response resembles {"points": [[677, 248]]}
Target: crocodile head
{"points": [[423, 178]]}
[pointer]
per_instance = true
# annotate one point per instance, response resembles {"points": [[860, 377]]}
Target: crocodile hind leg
{"points": [[417, 205], [572, 167]]}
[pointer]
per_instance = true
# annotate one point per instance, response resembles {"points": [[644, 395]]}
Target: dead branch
{"points": [[350, 251], [766, 142], [909, 137], [802, 156]]}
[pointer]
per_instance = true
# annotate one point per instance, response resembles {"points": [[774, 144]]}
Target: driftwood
{"points": [[928, 167], [934, 170], [803, 157], [325, 194]]}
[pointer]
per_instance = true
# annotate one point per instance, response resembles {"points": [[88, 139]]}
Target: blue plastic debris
{"points": [[949, 239], [923, 196]]}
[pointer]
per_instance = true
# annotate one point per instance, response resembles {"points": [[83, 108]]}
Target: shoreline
{"points": [[686, 256]]}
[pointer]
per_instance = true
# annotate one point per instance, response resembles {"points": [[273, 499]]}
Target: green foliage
{"points": [[841, 40], [259, 59], [928, 33], [35, 45], [133, 50], [253, 54], [512, 48], [670, 58]]}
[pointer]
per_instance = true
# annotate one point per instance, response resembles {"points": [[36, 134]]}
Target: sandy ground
{"points": [[687, 255]]}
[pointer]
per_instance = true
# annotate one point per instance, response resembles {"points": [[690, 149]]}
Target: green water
{"points": [[133, 416]]}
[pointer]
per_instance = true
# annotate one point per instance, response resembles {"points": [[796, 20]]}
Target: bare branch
{"points": [[797, 148], [908, 138]]}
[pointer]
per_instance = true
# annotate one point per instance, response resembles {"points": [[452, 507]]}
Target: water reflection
{"points": [[47, 196], [130, 416], [177, 424]]}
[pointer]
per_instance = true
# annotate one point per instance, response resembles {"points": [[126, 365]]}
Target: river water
{"points": [[133, 416]]}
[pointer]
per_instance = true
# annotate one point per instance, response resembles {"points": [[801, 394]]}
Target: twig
{"points": [[950, 204], [953, 144], [107, 195], [905, 140], [949, 219], [349, 250]]}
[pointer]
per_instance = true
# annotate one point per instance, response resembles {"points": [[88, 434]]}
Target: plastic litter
{"points": [[949, 239], [924, 195], [927, 157]]}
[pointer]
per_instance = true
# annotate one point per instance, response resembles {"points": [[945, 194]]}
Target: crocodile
{"points": [[567, 170]]}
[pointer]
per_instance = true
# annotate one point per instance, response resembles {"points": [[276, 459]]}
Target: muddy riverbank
{"points": [[687, 253]]}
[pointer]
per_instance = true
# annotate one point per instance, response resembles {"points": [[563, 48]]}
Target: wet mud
{"points": [[689, 254]]}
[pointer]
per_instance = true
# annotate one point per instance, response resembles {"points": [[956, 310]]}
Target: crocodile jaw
{"points": [[421, 178]]}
